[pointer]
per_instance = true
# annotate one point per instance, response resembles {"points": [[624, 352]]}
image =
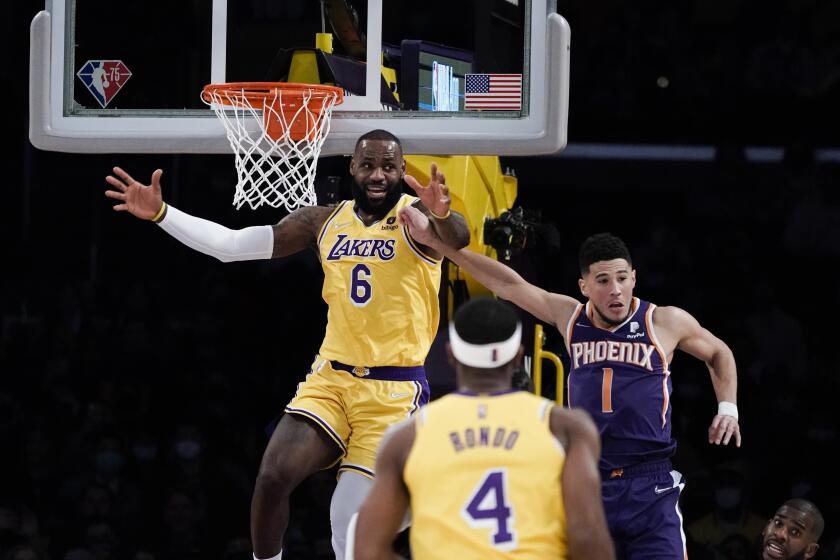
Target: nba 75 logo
{"points": [[104, 78]]}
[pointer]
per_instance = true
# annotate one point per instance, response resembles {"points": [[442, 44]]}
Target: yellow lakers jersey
{"points": [[381, 289], [484, 478]]}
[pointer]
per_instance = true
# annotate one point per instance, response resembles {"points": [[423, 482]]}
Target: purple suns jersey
{"points": [[621, 377]]}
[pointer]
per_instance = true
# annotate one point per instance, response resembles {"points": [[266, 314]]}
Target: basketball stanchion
{"points": [[539, 355], [276, 131]]}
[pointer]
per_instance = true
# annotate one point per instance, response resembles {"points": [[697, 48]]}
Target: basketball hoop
{"points": [[276, 160]]}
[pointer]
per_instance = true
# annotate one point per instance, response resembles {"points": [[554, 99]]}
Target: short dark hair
{"points": [[602, 247], [809, 508], [378, 134], [484, 320]]}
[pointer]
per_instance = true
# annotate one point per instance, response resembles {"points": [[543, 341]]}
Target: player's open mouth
{"points": [[616, 305], [774, 550], [376, 192]]}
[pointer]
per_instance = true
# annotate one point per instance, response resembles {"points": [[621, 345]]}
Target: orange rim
{"points": [[259, 91]]}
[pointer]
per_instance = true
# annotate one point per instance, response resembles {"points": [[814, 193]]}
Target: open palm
{"points": [[435, 195], [142, 201]]}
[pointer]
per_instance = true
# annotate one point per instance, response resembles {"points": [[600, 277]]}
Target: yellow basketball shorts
{"points": [[354, 405]]}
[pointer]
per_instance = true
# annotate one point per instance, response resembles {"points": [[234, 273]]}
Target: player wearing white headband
{"points": [[488, 471]]}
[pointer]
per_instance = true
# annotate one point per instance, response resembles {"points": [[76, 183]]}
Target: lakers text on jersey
{"points": [[381, 289]]}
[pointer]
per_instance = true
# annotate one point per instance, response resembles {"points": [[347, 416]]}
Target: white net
{"points": [[277, 158]]}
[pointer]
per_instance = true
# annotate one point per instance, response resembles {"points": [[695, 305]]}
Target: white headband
{"points": [[489, 355]]}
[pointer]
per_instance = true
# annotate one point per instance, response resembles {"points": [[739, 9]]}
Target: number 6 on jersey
{"points": [[360, 288], [488, 507]]}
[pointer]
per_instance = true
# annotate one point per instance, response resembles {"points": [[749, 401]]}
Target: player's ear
{"points": [[633, 276], [811, 550], [583, 289]]}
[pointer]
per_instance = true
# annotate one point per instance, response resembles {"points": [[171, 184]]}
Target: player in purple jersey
{"points": [[620, 348], [793, 532]]}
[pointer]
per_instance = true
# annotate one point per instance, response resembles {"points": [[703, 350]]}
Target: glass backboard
{"points": [[446, 76]]}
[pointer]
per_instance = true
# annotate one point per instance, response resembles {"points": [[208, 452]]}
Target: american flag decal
{"points": [[493, 92]]}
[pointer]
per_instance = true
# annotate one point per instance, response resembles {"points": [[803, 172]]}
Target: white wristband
{"points": [[272, 558], [215, 240], [726, 408]]}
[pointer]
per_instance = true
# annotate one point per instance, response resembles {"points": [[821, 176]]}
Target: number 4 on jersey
{"points": [[488, 507]]}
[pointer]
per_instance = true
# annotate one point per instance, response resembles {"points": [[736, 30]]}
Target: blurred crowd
{"points": [[138, 378]]}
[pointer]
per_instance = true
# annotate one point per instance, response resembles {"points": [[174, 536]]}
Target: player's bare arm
{"points": [[299, 230], [506, 283], [555, 309], [678, 329], [451, 231], [587, 533], [383, 510]]}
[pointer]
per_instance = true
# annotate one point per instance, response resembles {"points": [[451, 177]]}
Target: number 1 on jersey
{"points": [[606, 391], [488, 507]]}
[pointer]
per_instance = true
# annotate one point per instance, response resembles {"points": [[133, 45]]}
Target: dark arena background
{"points": [[137, 377]]}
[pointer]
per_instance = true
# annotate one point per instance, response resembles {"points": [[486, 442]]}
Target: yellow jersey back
{"points": [[381, 289], [484, 479]]}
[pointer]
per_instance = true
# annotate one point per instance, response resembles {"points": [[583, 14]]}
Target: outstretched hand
{"points": [[723, 428], [435, 195], [418, 225], [142, 201]]}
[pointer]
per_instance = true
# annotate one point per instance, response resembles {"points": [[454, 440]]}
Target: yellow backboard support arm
{"points": [[539, 355]]}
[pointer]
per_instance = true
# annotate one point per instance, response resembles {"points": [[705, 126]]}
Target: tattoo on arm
{"points": [[452, 231], [299, 230]]}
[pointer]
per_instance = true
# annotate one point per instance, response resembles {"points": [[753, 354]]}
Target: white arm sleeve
{"points": [[212, 239]]}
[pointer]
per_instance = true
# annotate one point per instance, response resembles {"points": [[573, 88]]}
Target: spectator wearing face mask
{"points": [[145, 459], [186, 463], [731, 514], [187, 448], [183, 530], [108, 461]]}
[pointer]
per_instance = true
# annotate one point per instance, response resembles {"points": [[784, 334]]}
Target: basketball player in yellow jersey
{"points": [[381, 289], [487, 472]]}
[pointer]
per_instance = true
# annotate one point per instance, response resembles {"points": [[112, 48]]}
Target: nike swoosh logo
{"points": [[339, 226], [398, 395], [659, 490], [581, 325]]}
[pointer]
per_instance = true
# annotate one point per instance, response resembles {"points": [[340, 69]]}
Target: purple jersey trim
{"points": [[415, 248], [421, 396], [383, 373], [329, 221], [320, 422], [357, 468]]}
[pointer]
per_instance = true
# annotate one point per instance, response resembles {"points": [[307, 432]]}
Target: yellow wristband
{"points": [[160, 213], [435, 216]]}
